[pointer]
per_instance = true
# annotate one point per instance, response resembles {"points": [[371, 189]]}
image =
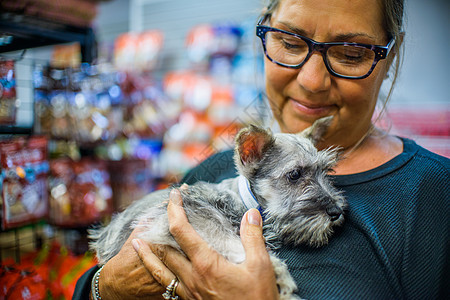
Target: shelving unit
{"points": [[30, 32], [20, 32]]}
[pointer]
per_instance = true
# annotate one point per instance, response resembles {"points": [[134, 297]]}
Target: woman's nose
{"points": [[313, 76]]}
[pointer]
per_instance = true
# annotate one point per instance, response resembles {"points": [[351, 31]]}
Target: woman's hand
{"points": [[205, 274], [125, 277]]}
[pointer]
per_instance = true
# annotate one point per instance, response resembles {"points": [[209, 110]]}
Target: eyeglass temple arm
{"points": [[262, 19]]}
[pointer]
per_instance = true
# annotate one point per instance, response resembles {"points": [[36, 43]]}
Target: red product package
{"points": [[9, 277], [149, 48], [28, 285], [7, 93], [125, 51], [93, 187], [71, 270], [130, 180], [23, 181], [80, 192]]}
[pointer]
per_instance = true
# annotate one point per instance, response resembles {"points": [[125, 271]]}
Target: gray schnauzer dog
{"points": [[283, 175]]}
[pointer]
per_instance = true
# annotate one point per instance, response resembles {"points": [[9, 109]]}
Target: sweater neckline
{"points": [[409, 150]]}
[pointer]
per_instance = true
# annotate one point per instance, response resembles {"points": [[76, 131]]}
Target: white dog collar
{"points": [[246, 193]]}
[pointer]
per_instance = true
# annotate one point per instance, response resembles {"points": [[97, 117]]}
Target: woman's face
{"points": [[298, 97]]}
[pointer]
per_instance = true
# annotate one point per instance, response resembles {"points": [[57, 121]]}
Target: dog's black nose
{"points": [[334, 213]]}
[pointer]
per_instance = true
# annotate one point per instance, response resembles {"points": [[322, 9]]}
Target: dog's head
{"points": [[288, 176]]}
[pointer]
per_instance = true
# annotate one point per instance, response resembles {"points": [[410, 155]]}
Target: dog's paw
{"points": [[285, 282]]}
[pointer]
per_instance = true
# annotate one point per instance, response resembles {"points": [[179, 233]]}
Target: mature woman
{"points": [[323, 58]]}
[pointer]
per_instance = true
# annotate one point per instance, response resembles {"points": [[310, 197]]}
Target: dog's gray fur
{"points": [[302, 210]]}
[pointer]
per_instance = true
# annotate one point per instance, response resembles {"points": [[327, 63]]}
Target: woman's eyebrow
{"points": [[339, 37], [293, 29], [353, 35]]}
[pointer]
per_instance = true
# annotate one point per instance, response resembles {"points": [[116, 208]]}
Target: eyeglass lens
{"points": [[347, 60]]}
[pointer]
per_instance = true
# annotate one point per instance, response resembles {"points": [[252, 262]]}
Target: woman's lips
{"points": [[312, 109]]}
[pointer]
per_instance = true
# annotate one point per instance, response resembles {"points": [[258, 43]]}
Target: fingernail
{"points": [[184, 186], [254, 218], [175, 197], [136, 245]]}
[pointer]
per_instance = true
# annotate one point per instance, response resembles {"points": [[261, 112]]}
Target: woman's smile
{"points": [[309, 109]]}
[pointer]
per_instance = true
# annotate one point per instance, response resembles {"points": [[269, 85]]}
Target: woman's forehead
{"points": [[330, 18]]}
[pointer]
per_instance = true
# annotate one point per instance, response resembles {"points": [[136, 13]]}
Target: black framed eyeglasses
{"points": [[342, 59]]}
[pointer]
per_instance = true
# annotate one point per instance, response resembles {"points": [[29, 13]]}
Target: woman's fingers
{"points": [[125, 276], [180, 228], [156, 267], [252, 238], [257, 259]]}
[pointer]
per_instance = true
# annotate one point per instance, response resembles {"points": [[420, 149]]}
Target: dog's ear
{"points": [[251, 144], [317, 130]]}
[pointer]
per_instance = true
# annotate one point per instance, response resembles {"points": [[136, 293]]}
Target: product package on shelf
{"points": [[131, 180], [48, 273], [210, 115], [52, 115], [23, 180], [77, 104], [7, 93], [80, 192], [148, 112], [133, 167], [138, 51]]}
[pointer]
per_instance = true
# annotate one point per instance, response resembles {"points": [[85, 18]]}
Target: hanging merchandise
{"points": [[80, 192], [226, 39], [23, 181], [81, 104], [65, 56], [52, 115], [148, 112], [149, 47], [211, 116], [133, 167], [130, 181], [125, 51], [199, 46], [8, 103], [96, 113], [138, 51], [48, 273], [22, 284]]}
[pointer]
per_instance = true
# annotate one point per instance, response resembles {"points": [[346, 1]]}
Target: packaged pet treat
{"points": [[125, 51], [23, 180], [80, 192], [226, 39], [199, 46], [60, 178], [7, 93], [131, 180], [149, 48]]}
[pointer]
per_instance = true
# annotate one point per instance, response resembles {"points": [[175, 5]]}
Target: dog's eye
{"points": [[294, 176]]}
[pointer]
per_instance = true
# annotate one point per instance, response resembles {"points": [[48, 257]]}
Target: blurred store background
{"points": [[102, 102]]}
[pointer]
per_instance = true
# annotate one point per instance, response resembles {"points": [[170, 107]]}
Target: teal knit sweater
{"points": [[394, 243]]}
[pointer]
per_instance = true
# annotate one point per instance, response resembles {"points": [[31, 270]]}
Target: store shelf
{"points": [[30, 32]]}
